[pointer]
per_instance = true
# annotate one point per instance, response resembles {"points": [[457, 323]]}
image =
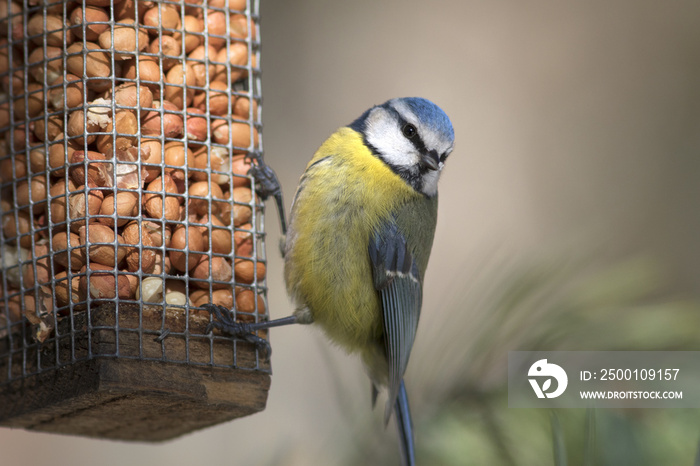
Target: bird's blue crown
{"points": [[430, 115], [427, 112]]}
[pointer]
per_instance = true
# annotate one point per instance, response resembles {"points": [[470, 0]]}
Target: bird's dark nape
{"points": [[405, 427]]}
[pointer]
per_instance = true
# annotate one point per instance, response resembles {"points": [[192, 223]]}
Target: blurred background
{"points": [[569, 219]]}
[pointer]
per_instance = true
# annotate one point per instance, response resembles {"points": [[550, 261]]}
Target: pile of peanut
{"points": [[123, 156]]}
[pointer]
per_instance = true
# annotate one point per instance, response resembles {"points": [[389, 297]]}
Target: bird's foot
{"points": [[222, 320], [266, 185]]}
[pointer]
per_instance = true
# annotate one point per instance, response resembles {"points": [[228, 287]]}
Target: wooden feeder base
{"points": [[120, 398]]}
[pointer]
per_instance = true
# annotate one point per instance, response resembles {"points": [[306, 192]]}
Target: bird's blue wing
{"points": [[398, 281]]}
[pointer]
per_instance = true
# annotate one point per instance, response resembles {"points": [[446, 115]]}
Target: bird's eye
{"points": [[409, 130]]}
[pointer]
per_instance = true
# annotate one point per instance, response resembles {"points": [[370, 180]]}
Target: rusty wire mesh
{"points": [[128, 128]]}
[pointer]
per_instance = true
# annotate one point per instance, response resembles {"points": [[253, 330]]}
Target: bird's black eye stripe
{"points": [[409, 130], [415, 138]]}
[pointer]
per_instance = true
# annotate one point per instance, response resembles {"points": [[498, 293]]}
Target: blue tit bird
{"points": [[360, 234]]}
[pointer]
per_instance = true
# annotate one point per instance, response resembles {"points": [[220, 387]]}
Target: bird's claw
{"points": [[222, 320], [266, 182], [266, 185]]}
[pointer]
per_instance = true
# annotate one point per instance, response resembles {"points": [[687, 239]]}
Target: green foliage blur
{"points": [[458, 383]]}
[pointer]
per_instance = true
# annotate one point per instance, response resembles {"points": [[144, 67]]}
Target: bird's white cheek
{"points": [[396, 150], [430, 182]]}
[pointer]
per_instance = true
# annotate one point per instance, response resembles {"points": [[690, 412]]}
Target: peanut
{"points": [[151, 157], [37, 159], [133, 95], [77, 129], [239, 133], [150, 290], [101, 283], [243, 241], [59, 193], [126, 206], [20, 135], [13, 83], [199, 60], [221, 297], [185, 242], [38, 312], [202, 189], [12, 23], [4, 52], [240, 167], [19, 226], [238, 5], [126, 41], [159, 235], [50, 129], [73, 94], [96, 22], [4, 114], [155, 205], [13, 168], [240, 26], [149, 73], [111, 253], [217, 160], [221, 271], [34, 103], [60, 245], [169, 47], [83, 204], [179, 82], [219, 99], [197, 126], [247, 271], [127, 128], [216, 26], [95, 65], [242, 107], [41, 273], [34, 192], [124, 9], [246, 301], [163, 18], [231, 61], [242, 213], [52, 30], [68, 293], [176, 292], [171, 121], [135, 260], [59, 154], [219, 239], [99, 171], [176, 155], [52, 58]]}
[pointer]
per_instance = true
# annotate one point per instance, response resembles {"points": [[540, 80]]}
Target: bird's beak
{"points": [[430, 160]]}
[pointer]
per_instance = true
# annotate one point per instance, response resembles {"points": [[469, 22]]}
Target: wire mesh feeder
{"points": [[128, 130]]}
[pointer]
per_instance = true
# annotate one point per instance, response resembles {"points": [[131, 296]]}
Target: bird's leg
{"points": [[267, 184], [222, 319]]}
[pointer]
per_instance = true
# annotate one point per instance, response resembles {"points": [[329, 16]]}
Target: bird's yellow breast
{"points": [[345, 193]]}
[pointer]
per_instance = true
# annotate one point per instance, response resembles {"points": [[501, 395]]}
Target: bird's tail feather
{"points": [[405, 427]]}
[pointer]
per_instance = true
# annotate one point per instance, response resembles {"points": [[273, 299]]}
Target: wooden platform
{"points": [[132, 386]]}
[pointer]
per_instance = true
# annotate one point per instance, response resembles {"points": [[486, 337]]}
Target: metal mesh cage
{"points": [[128, 129]]}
